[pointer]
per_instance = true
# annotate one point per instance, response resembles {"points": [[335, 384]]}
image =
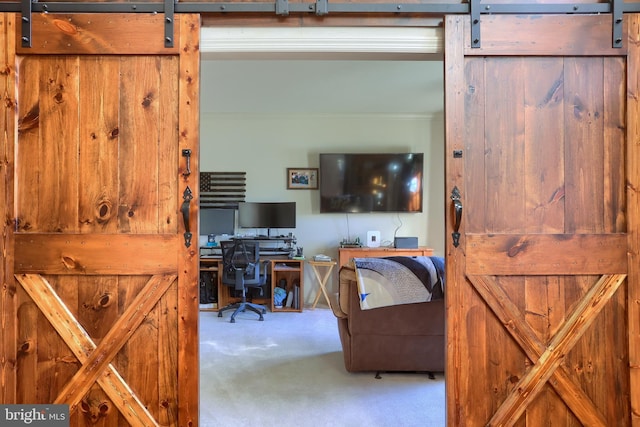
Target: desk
{"points": [[347, 254], [280, 267], [327, 266]]}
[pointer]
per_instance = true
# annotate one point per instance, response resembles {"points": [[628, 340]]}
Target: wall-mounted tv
{"points": [[371, 182], [267, 215]]}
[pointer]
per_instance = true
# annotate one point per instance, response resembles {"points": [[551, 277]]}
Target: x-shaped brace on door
{"points": [[547, 359], [96, 360]]}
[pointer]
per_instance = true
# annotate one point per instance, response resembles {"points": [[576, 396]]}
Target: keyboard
{"points": [[273, 251]]}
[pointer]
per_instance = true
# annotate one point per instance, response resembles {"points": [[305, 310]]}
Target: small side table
{"points": [[322, 277]]}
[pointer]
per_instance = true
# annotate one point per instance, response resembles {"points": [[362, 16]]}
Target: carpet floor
{"points": [[288, 371]]}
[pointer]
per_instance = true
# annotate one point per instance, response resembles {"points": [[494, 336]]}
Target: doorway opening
{"points": [[265, 111]]}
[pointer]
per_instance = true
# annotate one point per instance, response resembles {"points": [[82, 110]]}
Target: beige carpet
{"points": [[288, 371]]}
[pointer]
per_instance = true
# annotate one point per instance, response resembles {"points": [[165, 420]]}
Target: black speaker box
{"points": [[406, 242]]}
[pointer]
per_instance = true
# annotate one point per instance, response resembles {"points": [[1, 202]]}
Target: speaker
{"points": [[406, 242], [373, 239]]}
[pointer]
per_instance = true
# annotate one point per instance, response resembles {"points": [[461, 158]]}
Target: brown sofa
{"points": [[407, 337]]}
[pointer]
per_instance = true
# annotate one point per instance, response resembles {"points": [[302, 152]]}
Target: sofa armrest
{"points": [[347, 275]]}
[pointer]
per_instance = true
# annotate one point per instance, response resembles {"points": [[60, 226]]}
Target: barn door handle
{"points": [[187, 196], [457, 207], [187, 153]]}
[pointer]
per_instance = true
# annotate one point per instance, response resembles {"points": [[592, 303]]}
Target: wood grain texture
{"points": [[81, 343], [99, 145], [188, 292], [524, 334], [98, 254], [102, 34], [527, 388], [457, 299], [503, 35], [122, 330], [544, 217], [103, 132], [541, 254], [9, 333], [632, 163], [138, 156]]}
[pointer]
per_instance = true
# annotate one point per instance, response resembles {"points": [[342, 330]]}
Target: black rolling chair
{"points": [[242, 269]]}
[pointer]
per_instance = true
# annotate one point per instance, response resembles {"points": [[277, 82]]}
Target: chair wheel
{"points": [[219, 314], [264, 311], [261, 319], [232, 320]]}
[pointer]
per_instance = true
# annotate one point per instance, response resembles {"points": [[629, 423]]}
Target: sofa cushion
{"points": [[426, 318]]}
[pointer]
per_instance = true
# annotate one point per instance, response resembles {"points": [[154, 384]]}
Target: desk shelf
{"points": [[209, 267], [291, 272]]}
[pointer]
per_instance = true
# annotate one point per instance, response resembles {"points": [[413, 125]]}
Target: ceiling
{"points": [[316, 70], [315, 86]]}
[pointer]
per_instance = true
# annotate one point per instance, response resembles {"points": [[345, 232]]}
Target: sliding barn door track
{"points": [[283, 8]]}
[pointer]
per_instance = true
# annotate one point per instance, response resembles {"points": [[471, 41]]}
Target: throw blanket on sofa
{"points": [[397, 280]]}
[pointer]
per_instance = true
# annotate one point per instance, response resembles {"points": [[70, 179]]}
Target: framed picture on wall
{"points": [[302, 178]]}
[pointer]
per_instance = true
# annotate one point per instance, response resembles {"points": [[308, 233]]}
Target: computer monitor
{"points": [[217, 221], [267, 215]]}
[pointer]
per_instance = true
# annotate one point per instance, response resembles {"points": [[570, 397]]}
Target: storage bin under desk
{"points": [[291, 271]]}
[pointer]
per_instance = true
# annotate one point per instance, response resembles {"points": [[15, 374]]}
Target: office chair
{"points": [[242, 269]]}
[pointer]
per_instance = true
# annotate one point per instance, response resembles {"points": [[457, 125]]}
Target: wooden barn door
{"points": [[543, 173], [102, 313]]}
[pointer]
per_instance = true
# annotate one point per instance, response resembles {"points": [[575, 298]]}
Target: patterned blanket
{"points": [[397, 280]]}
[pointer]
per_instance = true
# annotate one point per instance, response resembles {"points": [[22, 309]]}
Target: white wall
{"points": [[265, 145]]}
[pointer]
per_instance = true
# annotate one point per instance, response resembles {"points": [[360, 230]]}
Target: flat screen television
{"points": [[267, 215], [217, 221], [371, 182]]}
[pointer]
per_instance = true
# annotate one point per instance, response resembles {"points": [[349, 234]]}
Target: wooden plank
{"points": [[139, 156], [26, 202], [188, 294], [502, 35], [57, 357], [91, 33], [57, 313], [455, 297], [110, 254], [474, 147], [471, 314], [614, 123], [169, 368], [27, 344], [8, 303], [632, 156], [153, 372], [551, 254], [527, 389], [99, 142], [142, 367], [584, 123], [58, 132], [504, 146], [476, 336], [544, 140], [168, 151]]}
